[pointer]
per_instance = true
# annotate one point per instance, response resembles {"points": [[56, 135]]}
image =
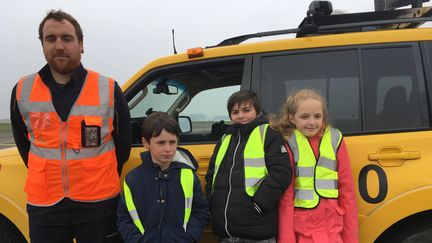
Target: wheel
{"points": [[9, 233], [422, 236], [414, 232]]}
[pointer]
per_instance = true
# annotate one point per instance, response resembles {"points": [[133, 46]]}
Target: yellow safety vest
{"points": [[187, 183], [315, 179], [254, 163]]}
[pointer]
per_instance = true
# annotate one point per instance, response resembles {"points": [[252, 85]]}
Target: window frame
{"points": [[426, 51]]}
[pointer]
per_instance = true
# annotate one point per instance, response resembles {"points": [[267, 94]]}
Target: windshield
{"points": [[197, 93], [159, 95]]}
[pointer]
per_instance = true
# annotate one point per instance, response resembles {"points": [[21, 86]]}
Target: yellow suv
{"points": [[375, 70]]}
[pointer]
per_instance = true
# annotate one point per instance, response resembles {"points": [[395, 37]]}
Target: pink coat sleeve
{"points": [[286, 211], [347, 196]]}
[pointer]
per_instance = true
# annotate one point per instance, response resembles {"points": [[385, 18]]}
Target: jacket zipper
{"points": [[63, 143], [230, 186], [63, 160]]}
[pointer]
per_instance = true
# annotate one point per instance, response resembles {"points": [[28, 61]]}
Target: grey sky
{"points": [[122, 36]]}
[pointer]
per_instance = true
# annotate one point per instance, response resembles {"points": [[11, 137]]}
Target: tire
{"points": [[421, 236], [9, 233], [420, 231]]}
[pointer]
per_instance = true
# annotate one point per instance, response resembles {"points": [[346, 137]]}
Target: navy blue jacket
{"points": [[159, 200]]}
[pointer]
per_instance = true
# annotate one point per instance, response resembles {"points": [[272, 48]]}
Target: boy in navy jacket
{"points": [[162, 199]]}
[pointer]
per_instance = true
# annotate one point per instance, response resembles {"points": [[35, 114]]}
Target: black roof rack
{"points": [[343, 23], [392, 4]]}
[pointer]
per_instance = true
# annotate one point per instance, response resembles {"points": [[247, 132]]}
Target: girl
{"points": [[320, 206]]}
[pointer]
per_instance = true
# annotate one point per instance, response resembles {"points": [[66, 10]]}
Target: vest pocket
{"points": [[36, 184], [100, 176]]}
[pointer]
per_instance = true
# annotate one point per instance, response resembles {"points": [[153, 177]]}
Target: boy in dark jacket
{"points": [[162, 199], [247, 176]]}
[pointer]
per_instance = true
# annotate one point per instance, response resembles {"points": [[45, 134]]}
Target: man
{"points": [[72, 129]]}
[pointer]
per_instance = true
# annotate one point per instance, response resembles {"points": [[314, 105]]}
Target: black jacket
{"points": [[159, 200], [234, 213]]}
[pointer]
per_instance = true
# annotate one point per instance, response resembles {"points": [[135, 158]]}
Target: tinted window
{"points": [[335, 74], [389, 95], [392, 89]]}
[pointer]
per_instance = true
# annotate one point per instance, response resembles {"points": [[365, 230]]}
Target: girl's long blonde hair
{"points": [[282, 122]]}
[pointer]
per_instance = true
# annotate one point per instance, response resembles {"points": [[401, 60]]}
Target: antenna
{"points": [[172, 31]]}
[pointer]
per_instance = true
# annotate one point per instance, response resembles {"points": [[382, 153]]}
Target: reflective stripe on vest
{"points": [[187, 183], [58, 165], [315, 179], [254, 163]]}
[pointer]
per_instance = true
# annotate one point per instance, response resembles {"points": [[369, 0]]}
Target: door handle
{"points": [[393, 156], [402, 155]]}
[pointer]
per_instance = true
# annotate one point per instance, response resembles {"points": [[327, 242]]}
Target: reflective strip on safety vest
{"points": [[72, 154], [315, 178], [304, 171], [304, 194], [131, 207], [254, 163]]}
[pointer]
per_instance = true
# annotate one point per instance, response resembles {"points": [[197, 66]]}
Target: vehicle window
{"points": [[198, 92], [335, 74], [198, 109], [392, 89]]}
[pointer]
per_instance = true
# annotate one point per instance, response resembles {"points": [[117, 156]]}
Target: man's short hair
{"points": [[156, 122], [59, 15], [241, 97]]}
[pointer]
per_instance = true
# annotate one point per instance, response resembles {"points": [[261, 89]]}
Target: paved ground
{"points": [[6, 139]]}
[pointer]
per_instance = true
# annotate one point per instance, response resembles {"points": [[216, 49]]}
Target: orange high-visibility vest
{"points": [[58, 164]]}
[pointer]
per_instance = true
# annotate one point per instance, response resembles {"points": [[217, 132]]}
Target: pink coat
{"points": [[333, 220]]}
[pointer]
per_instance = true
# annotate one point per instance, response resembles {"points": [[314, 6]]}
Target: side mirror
{"points": [[185, 124]]}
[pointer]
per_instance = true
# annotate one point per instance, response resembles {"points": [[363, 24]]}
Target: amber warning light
{"points": [[195, 52]]}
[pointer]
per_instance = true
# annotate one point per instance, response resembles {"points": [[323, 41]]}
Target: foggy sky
{"points": [[122, 36]]}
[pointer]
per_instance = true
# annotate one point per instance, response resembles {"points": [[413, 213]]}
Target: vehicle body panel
{"points": [[391, 169]]}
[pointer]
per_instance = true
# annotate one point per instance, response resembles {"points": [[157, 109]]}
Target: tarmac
{"points": [[6, 139]]}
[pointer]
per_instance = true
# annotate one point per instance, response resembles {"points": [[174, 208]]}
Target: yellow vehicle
{"points": [[375, 70]]}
